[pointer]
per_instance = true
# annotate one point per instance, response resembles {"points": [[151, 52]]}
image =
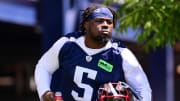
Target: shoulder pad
{"points": [[74, 34], [120, 44]]}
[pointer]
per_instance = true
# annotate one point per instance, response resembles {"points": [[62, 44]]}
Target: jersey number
{"points": [[88, 90]]}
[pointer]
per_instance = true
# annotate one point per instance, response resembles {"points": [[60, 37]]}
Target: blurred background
{"points": [[28, 28]]}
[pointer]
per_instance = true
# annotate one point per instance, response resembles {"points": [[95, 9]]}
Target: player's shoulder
{"points": [[68, 40], [70, 37], [73, 35], [118, 43], [124, 51], [121, 47]]}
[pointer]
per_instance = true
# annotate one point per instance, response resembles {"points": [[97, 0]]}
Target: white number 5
{"points": [[88, 90]]}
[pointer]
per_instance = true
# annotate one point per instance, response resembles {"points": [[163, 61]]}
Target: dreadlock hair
{"points": [[89, 10]]}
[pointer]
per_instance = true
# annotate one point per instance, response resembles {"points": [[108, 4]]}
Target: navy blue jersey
{"points": [[80, 74], [77, 71]]}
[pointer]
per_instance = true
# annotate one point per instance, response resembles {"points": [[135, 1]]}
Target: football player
{"points": [[88, 59]]}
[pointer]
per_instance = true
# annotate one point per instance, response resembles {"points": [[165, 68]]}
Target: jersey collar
{"points": [[81, 42]]}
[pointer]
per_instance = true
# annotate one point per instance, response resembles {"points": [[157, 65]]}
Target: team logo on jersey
{"points": [[105, 65], [88, 58]]}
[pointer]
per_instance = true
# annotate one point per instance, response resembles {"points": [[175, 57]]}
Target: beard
{"points": [[103, 38]]}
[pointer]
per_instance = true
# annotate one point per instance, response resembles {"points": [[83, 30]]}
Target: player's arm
{"points": [[45, 67], [135, 76]]}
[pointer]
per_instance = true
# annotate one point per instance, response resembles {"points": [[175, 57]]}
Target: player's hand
{"points": [[48, 96]]}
